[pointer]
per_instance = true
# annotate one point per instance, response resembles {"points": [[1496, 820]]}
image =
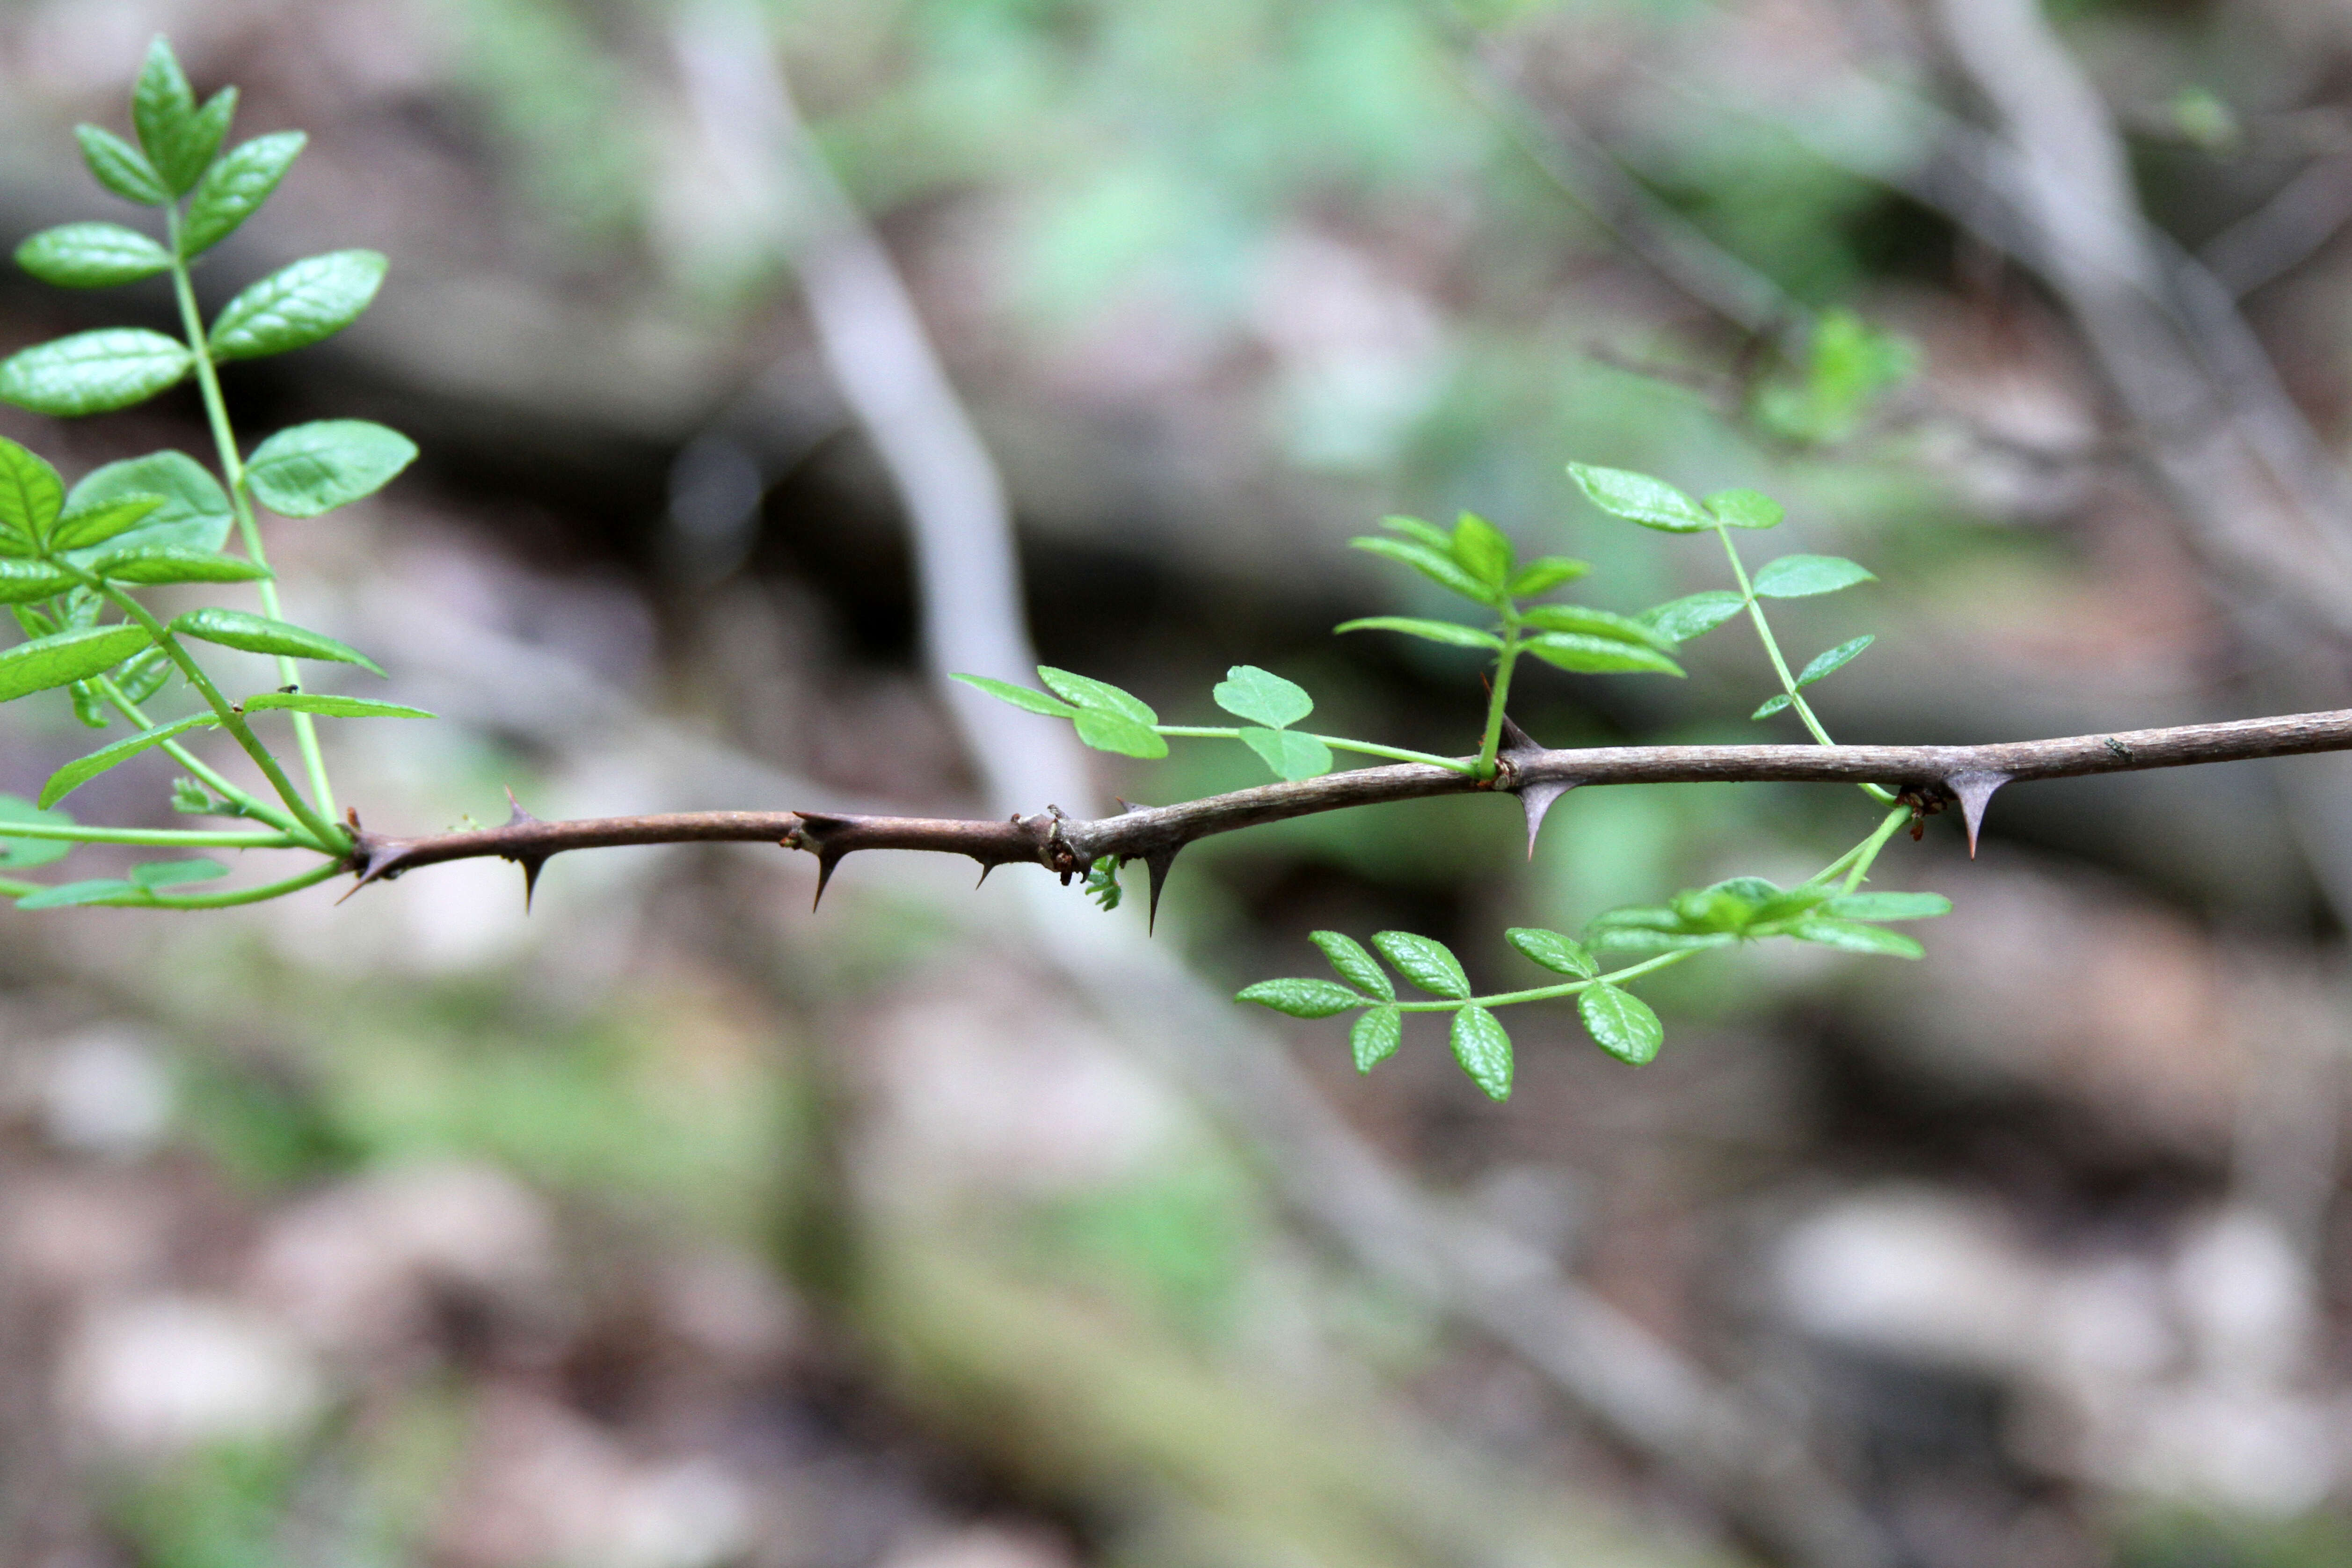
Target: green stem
{"points": [[175, 837], [1491, 743], [1338, 743], [294, 884], [1867, 850], [1779, 664], [1549, 992], [306, 733], [259, 810]]}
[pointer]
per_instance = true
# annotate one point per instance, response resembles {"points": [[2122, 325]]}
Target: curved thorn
{"points": [[1975, 790]]}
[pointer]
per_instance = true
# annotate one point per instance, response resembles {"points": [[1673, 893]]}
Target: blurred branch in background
{"points": [[1750, 1464]]}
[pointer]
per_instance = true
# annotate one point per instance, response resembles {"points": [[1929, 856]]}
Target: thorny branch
{"points": [[1930, 775]]}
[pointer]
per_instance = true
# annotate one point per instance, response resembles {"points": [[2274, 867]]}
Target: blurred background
{"points": [[676, 1225]]}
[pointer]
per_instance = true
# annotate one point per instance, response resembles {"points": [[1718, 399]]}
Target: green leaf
{"points": [[256, 634], [71, 893], [1375, 1036], [1484, 551], [316, 468], [1484, 1050], [120, 167], [91, 255], [23, 582], [164, 110], [1770, 706], [195, 511], [1436, 538], [1638, 498], [83, 527], [1100, 696], [1431, 562], [1643, 939], [1428, 963], [1621, 1024], [81, 770], [1450, 633], [1291, 756], [1353, 965], [1546, 572], [1597, 655], [297, 305], [150, 563], [1262, 697], [172, 873], [144, 673], [1302, 998], [331, 707], [1801, 576], [92, 373], [1683, 619], [1837, 658], [63, 658], [235, 187], [1852, 936], [89, 707], [1108, 731], [23, 853], [30, 496], [1890, 905], [1019, 696], [1746, 509], [1580, 620], [1560, 954]]}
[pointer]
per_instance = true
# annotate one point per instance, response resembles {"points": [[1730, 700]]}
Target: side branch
{"points": [[1931, 775]]}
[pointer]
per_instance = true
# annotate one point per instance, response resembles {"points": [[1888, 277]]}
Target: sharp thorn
{"points": [[380, 865], [986, 866], [1515, 739], [520, 816], [530, 865], [826, 859], [1537, 800], [1156, 866], [1975, 790]]}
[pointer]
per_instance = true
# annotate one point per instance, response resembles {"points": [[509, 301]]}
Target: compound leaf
{"points": [[172, 873], [1584, 621], [30, 496], [1450, 633], [1546, 572], [194, 514], [1890, 905], [1292, 756], [1746, 509], [1431, 562], [83, 527], [1835, 659], [120, 167], [1484, 1049], [81, 770], [297, 305], [92, 373], [23, 582], [1302, 998], [1560, 954], [1353, 965], [1427, 962], [1597, 655], [66, 895], [1099, 696], [1375, 1036], [1638, 498], [63, 658], [1621, 1024], [1262, 697], [331, 706], [22, 854], [1852, 936], [1483, 551], [91, 255], [235, 187], [1019, 696], [312, 468], [1770, 706], [150, 564], [1108, 731], [1801, 576], [258, 633], [1683, 619]]}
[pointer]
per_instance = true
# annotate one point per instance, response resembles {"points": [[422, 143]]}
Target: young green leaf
{"points": [[1852, 936], [1638, 498], [195, 511], [1428, 963], [162, 112], [23, 582], [1580, 620], [1106, 732], [146, 564], [1100, 696], [1597, 655], [1291, 756], [63, 658], [1560, 954], [1769, 706], [1484, 1050], [120, 167], [30, 496], [257, 634], [1019, 696], [1746, 509], [70, 894], [1621, 1024], [1436, 538], [1683, 619], [91, 255], [1546, 572], [316, 468], [143, 674], [331, 707], [92, 373], [157, 874], [1484, 551], [22, 854], [81, 770], [1375, 1036], [1835, 659], [1353, 965], [1890, 905], [1262, 697], [299, 305], [1801, 576], [1435, 564], [81, 528], [1302, 998], [235, 187], [1448, 632]]}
